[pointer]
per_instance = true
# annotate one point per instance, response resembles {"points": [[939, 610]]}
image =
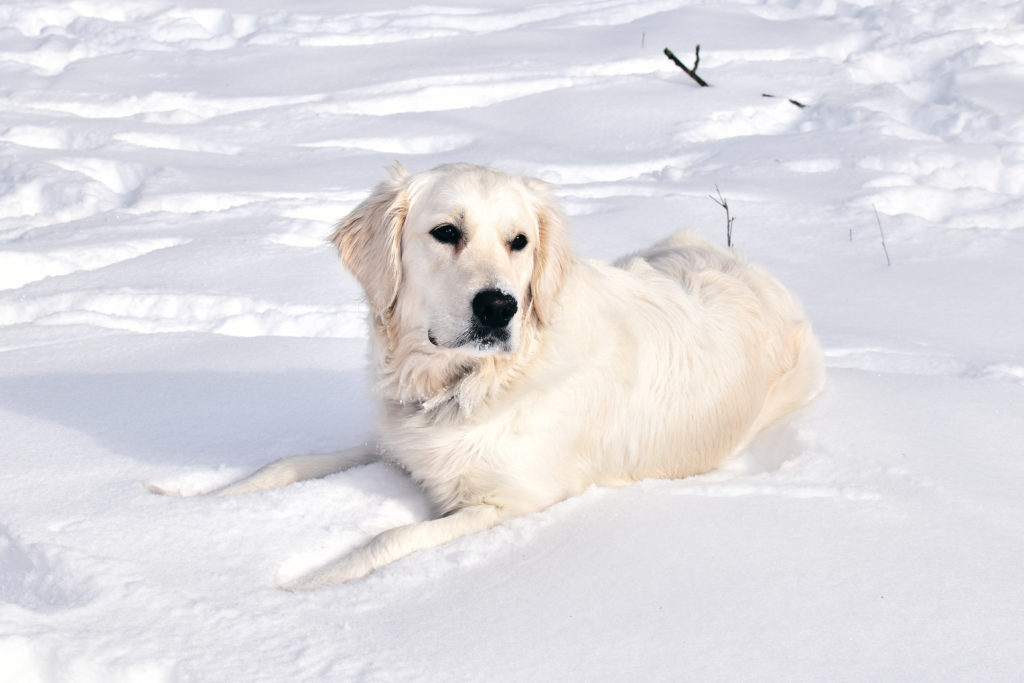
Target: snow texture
{"points": [[170, 313]]}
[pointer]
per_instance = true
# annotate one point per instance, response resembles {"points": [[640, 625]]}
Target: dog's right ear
{"points": [[369, 240]]}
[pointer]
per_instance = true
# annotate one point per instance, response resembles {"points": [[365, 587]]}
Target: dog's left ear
{"points": [[369, 240], [553, 256]]}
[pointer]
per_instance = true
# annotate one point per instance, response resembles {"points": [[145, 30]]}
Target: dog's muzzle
{"points": [[488, 329]]}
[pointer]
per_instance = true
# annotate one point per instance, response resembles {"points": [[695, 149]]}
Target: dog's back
{"points": [[716, 277]]}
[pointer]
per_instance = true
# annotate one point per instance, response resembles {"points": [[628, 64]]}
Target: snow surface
{"points": [[170, 313]]}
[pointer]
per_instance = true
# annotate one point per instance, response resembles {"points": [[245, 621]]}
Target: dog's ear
{"points": [[369, 240], [553, 256]]}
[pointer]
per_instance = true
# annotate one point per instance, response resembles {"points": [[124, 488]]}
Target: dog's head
{"points": [[463, 255]]}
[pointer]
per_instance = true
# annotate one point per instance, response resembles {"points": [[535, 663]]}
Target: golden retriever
{"points": [[512, 375]]}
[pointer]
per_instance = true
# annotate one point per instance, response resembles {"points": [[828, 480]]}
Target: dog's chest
{"points": [[493, 461]]}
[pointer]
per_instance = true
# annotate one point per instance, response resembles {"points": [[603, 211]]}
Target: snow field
{"points": [[171, 314]]}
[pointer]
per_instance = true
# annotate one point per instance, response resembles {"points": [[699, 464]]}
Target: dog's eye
{"points": [[518, 243], [446, 233]]}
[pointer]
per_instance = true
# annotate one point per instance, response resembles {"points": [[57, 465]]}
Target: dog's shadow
{"points": [[200, 419], [768, 452]]}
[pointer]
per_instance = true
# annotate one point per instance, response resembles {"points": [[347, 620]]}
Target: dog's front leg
{"points": [[395, 543], [299, 468]]}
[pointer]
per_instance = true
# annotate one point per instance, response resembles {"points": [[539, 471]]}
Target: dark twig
{"points": [[692, 73], [722, 202], [791, 100], [882, 233]]}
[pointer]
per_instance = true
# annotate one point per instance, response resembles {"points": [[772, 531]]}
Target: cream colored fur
{"points": [[663, 365]]}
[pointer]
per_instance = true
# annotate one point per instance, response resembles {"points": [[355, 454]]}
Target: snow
{"points": [[171, 313]]}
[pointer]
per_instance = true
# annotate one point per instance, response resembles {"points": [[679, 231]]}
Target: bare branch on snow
{"points": [[724, 203], [692, 73], [882, 233]]}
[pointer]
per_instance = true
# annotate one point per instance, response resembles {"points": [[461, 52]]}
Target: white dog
{"points": [[512, 375]]}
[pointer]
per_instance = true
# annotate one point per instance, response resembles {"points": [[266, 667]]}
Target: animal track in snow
{"points": [[940, 186], [65, 189], [56, 34], [119, 177], [35, 577]]}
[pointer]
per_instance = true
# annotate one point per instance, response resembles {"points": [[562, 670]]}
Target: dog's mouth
{"points": [[477, 339]]}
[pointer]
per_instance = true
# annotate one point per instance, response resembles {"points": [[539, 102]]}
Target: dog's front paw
{"points": [[294, 585], [345, 570], [161, 490], [189, 485]]}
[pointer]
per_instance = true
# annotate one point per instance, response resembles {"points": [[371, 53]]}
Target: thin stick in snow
{"points": [[692, 73], [881, 232], [724, 203], [791, 100]]}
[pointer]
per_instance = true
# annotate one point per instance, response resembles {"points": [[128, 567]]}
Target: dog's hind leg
{"points": [[396, 543]]}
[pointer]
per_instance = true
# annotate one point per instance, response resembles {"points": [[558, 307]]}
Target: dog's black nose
{"points": [[493, 308]]}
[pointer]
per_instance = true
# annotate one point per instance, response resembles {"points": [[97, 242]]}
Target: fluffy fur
{"points": [[662, 365]]}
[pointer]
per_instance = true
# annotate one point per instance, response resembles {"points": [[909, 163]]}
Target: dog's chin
{"points": [[478, 343]]}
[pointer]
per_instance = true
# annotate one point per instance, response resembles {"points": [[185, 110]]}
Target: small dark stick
{"points": [[882, 233], [723, 202], [692, 73], [791, 100]]}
